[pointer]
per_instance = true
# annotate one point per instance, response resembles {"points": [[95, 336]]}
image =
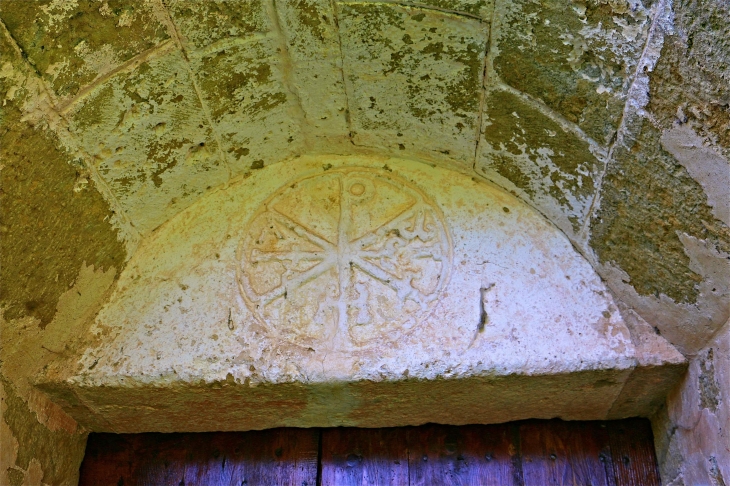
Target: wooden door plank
{"points": [[632, 448], [468, 455], [352, 456], [272, 457], [557, 453], [108, 460], [534, 452]]}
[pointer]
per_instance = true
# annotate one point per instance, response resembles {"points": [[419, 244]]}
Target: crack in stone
{"points": [[345, 84], [482, 96], [642, 64], [288, 69]]}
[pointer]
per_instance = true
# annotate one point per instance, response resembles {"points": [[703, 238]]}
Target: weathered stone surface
{"points": [[72, 43], [310, 31], [414, 78], [660, 368], [250, 108], [370, 278], [236, 53], [704, 164], [579, 58], [31, 452], [523, 150], [143, 84], [223, 21], [152, 144], [691, 433], [690, 82], [52, 219], [54, 229], [664, 252]]}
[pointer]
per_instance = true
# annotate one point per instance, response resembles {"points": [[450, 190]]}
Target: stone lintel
{"points": [[357, 291]]}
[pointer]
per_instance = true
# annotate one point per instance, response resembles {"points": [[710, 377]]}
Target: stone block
{"points": [[526, 151], [578, 57], [664, 252], [358, 291], [150, 139], [71, 44], [313, 46], [414, 79], [250, 107]]}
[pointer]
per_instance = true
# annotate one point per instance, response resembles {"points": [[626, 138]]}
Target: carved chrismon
{"points": [[344, 259]]}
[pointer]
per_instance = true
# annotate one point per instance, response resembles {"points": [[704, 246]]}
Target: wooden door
{"points": [[533, 452]]}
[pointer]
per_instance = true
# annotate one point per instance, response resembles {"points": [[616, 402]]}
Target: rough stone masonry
{"points": [[606, 123]]}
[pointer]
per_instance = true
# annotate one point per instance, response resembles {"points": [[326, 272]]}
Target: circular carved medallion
{"points": [[344, 258]]}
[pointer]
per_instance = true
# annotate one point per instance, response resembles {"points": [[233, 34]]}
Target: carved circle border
{"points": [[271, 331]]}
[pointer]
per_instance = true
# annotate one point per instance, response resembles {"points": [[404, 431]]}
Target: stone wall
{"points": [[59, 256], [611, 118], [692, 431]]}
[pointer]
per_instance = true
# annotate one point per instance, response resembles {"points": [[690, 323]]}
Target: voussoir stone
{"points": [[358, 291]]}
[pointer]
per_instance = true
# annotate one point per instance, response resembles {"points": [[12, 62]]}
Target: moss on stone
{"points": [[236, 81], [414, 71], [202, 23], [310, 17], [144, 129], [480, 8], [647, 199]]}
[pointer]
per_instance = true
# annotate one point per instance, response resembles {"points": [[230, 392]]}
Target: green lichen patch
{"points": [[58, 452], [647, 199], [52, 219], [579, 57], [151, 139], [553, 167], [203, 23], [248, 103], [691, 81], [415, 76], [475, 8], [71, 43]]}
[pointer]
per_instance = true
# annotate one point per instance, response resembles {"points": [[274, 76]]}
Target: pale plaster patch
{"points": [[686, 326], [704, 165]]}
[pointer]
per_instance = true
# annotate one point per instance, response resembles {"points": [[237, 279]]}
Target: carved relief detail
{"points": [[343, 259]]}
